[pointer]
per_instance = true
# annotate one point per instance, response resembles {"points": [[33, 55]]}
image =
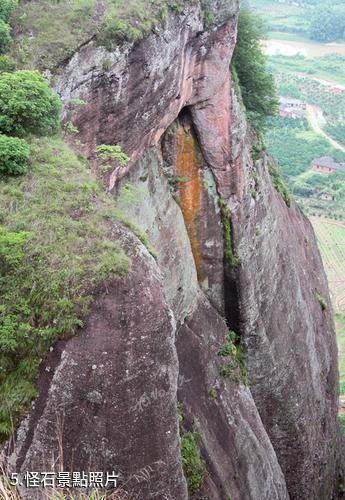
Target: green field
{"points": [[326, 67], [331, 240], [282, 17], [292, 37], [340, 325]]}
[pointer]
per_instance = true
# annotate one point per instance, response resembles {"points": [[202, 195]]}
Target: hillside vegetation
{"points": [[294, 145], [50, 39], [256, 87], [54, 251], [321, 21]]}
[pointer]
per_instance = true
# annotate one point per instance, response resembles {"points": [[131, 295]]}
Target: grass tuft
{"points": [[279, 183], [321, 300]]}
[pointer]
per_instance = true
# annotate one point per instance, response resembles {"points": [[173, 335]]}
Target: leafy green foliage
{"points": [[7, 64], [70, 128], [6, 8], [327, 22], [193, 465], [229, 348], [54, 252], [257, 85], [107, 152], [43, 41], [5, 36], [27, 104], [14, 155], [212, 392], [233, 347], [295, 145], [226, 370], [336, 131], [132, 20]]}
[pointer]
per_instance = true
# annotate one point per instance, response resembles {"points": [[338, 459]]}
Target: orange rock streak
{"points": [[188, 169]]}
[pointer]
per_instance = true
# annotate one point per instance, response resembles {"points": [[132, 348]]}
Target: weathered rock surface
{"points": [[134, 101], [112, 388], [292, 353], [239, 456], [108, 396]]}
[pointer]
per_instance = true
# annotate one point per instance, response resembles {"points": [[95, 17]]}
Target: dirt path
{"points": [[312, 112]]}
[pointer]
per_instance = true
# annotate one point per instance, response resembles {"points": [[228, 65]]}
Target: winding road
{"points": [[312, 115]]}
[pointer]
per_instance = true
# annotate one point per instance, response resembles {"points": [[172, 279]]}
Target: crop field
{"points": [[340, 325], [284, 17], [331, 239]]}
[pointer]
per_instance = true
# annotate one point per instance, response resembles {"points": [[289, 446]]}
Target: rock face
{"points": [[292, 352], [108, 397]]}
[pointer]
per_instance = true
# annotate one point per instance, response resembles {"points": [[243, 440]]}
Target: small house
{"points": [[292, 108], [327, 165]]}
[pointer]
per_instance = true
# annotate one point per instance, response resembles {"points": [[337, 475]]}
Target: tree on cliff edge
{"points": [[257, 84]]}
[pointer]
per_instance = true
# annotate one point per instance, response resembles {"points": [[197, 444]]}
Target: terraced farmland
{"points": [[340, 325], [331, 239]]}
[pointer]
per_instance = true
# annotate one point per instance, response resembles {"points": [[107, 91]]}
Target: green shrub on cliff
{"points": [[7, 64], [14, 155], [5, 37], [233, 347], [6, 8], [193, 465], [257, 84], [27, 104], [132, 20], [109, 152]]}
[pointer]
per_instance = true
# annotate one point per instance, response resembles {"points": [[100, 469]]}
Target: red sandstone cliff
{"points": [[154, 338]]}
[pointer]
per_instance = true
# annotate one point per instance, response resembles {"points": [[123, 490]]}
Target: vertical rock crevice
{"points": [[193, 186], [189, 180]]}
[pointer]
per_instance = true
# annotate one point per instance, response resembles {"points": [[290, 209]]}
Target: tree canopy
{"points": [[27, 104], [6, 9], [257, 84], [328, 23]]}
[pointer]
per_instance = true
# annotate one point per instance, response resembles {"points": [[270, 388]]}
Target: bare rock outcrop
{"points": [[108, 396], [291, 345]]}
